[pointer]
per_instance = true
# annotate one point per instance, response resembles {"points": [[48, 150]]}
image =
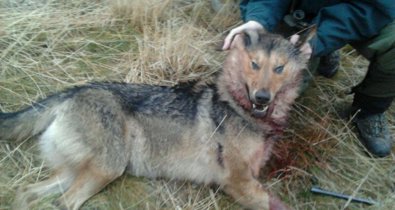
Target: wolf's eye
{"points": [[279, 69], [254, 65]]}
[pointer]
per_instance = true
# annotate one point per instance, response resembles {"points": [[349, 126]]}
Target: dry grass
{"points": [[46, 46]]}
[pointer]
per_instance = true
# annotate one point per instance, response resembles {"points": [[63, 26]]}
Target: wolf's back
{"points": [[161, 101]]}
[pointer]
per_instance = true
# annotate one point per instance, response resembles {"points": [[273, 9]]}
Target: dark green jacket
{"points": [[339, 22]]}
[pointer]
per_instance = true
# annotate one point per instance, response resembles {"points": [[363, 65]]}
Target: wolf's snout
{"points": [[262, 97], [260, 103]]}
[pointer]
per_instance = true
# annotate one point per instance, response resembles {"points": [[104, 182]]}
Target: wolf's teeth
{"points": [[264, 109]]}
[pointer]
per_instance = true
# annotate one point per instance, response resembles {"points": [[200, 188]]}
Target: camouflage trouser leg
{"points": [[380, 51]]}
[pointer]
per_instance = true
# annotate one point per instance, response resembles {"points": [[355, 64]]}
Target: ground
{"points": [[49, 45]]}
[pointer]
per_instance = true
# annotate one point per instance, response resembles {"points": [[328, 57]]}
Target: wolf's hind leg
{"points": [[89, 181], [57, 183]]}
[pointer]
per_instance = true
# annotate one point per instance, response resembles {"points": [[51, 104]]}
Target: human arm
{"points": [[258, 15], [267, 13], [349, 22]]}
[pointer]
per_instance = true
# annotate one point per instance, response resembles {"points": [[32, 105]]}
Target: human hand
{"points": [[250, 25], [305, 49]]}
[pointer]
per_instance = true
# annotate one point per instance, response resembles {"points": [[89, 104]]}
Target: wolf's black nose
{"points": [[262, 97]]}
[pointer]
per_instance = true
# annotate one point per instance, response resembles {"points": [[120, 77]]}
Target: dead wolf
{"points": [[213, 134]]}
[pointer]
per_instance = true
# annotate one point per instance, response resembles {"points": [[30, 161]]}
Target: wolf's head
{"points": [[259, 68]]}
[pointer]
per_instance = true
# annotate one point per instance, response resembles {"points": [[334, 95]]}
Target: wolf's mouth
{"points": [[259, 110]]}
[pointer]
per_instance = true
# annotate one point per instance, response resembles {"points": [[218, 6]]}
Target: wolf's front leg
{"points": [[249, 192]]}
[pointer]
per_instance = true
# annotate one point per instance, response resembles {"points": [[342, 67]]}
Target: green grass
{"points": [[47, 46]]}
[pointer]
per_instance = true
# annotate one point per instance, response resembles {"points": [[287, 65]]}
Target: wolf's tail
{"points": [[25, 123]]}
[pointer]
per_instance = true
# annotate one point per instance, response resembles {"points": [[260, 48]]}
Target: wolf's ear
{"points": [[247, 38], [305, 36], [250, 38]]}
